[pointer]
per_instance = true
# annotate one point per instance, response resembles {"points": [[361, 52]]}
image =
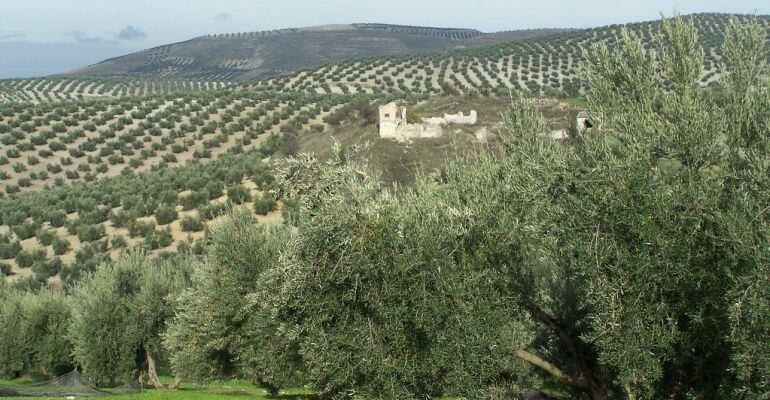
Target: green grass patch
{"points": [[577, 101], [232, 390]]}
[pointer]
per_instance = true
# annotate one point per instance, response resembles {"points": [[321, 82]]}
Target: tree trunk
{"points": [[175, 384], [588, 382], [152, 373]]}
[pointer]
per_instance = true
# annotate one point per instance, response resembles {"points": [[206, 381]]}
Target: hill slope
{"points": [[535, 64], [535, 61], [243, 56]]}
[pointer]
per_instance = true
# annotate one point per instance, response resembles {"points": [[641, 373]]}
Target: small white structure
{"points": [[460, 119], [589, 120], [394, 125]]}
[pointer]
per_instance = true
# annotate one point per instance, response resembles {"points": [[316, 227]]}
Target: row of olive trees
{"points": [[109, 325]]}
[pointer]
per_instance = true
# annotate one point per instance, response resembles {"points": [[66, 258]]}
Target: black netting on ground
{"points": [[70, 384]]}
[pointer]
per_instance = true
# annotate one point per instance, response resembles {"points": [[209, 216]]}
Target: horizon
{"points": [[35, 41]]}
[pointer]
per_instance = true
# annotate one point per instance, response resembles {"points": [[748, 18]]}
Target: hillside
{"points": [[536, 64], [250, 55], [156, 171], [526, 60], [36, 90]]}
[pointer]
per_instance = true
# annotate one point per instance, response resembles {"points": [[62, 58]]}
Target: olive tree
{"points": [[625, 263], [217, 331], [119, 313], [33, 337]]}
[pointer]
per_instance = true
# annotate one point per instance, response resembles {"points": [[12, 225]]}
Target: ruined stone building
{"points": [[394, 124]]}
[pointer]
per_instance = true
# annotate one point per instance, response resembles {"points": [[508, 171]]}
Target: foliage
{"points": [[216, 332], [628, 263], [238, 194], [191, 224], [5, 269], [264, 204], [119, 313], [165, 214], [33, 335], [91, 233]]}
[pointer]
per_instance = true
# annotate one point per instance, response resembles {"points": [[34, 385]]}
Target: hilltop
{"points": [[250, 55]]}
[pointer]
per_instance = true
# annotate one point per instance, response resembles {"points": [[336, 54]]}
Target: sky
{"points": [[43, 37]]}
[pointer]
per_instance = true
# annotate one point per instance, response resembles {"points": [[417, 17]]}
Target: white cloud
{"points": [[223, 17], [131, 33]]}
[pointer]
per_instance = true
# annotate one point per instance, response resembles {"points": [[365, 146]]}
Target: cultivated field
{"points": [[36, 90], [83, 180], [544, 63]]}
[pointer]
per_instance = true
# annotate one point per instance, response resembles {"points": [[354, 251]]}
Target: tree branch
{"points": [[581, 354], [551, 369]]}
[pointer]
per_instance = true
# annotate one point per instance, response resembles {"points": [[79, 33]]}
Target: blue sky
{"points": [[40, 37]]}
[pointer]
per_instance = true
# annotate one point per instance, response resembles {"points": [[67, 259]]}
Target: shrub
{"points": [[194, 199], [118, 242], [165, 238], [141, 228], [191, 224], [90, 233], [26, 230], [238, 194], [25, 259], [57, 218], [60, 246], [212, 211], [45, 269], [45, 236], [165, 214], [264, 204], [9, 249]]}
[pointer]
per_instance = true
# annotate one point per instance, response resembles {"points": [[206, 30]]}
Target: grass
{"points": [[231, 390], [577, 101]]}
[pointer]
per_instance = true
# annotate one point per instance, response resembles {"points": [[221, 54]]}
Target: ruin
{"points": [[394, 124], [589, 120]]}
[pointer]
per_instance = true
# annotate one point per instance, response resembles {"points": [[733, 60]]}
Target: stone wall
{"points": [[459, 119], [418, 131], [393, 123], [462, 119]]}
